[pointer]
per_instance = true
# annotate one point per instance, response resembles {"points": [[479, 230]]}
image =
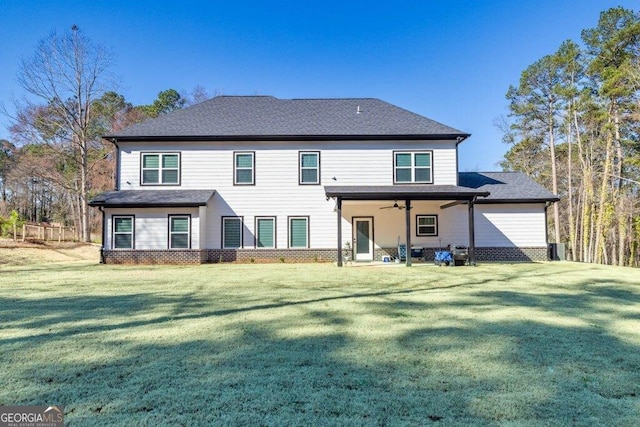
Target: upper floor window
{"points": [[160, 168], [243, 168], [179, 231], [309, 167], [413, 167]]}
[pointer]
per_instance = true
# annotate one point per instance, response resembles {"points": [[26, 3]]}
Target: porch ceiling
{"points": [[401, 192]]}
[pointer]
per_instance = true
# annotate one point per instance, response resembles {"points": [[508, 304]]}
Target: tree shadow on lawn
{"points": [[229, 368], [91, 314]]}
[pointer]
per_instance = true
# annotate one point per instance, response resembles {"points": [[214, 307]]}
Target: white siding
{"points": [[210, 165], [389, 224], [276, 191], [152, 226], [510, 225]]}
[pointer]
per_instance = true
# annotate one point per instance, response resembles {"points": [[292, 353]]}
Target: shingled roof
{"points": [[485, 187], [152, 198], [266, 117], [506, 187]]}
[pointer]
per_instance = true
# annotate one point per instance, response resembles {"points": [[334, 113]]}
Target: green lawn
{"points": [[312, 344]]}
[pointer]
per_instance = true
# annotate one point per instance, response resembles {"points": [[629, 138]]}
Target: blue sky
{"points": [[451, 61]]}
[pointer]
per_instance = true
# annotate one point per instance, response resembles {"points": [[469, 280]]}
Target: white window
{"points": [[299, 232], [243, 172], [309, 167], [179, 231], [412, 167], [123, 229], [231, 232], [427, 225], [160, 169], [265, 232]]}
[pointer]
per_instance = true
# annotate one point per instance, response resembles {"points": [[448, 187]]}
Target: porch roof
{"points": [[399, 192], [152, 198]]}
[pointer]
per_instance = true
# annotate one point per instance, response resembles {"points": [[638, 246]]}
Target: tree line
{"points": [[56, 160], [573, 125]]}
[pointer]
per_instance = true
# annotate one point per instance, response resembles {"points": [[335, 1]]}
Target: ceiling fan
{"points": [[395, 205]]}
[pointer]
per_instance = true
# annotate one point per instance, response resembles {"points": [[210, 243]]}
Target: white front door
{"points": [[363, 239]]}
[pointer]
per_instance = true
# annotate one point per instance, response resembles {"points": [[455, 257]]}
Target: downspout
{"points": [[407, 204], [458, 141], [339, 214], [546, 231], [114, 141], [472, 232], [102, 260]]}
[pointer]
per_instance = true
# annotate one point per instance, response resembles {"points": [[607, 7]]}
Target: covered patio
{"points": [[450, 195]]}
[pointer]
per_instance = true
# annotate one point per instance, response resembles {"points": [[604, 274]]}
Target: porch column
{"points": [[339, 212], [472, 236], [407, 216]]}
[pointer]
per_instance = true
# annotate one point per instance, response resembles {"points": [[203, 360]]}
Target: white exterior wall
{"points": [[389, 224], [510, 225], [152, 226], [276, 191]]}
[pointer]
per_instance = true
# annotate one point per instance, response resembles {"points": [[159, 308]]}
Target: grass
{"points": [[292, 344]]}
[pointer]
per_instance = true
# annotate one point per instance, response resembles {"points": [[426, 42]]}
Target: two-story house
{"points": [[256, 177]]}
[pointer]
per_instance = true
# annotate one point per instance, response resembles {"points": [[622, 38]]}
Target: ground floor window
{"points": [[179, 231], [265, 232], [123, 229], [232, 232], [427, 225], [299, 232]]}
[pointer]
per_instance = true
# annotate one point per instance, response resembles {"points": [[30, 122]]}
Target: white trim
{"points": [[274, 222], [364, 256], [114, 232], [188, 233], [237, 168], [159, 169], [224, 221]]}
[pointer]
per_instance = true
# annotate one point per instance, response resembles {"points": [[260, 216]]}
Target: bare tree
{"points": [[68, 72]]}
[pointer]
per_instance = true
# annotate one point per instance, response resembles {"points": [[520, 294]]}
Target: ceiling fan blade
{"points": [[386, 207]]}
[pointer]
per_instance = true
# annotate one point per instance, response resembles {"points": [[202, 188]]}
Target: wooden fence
{"points": [[46, 232]]}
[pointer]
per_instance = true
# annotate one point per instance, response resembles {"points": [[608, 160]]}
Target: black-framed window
{"points": [[231, 232], [179, 231], [411, 167], [123, 232], [426, 225], [244, 168], [309, 162], [160, 168], [298, 231], [265, 232]]}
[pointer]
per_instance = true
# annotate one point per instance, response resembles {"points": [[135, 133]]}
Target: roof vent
{"points": [[358, 111]]}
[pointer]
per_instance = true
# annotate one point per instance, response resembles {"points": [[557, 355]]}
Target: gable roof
{"points": [[506, 187], [267, 117], [152, 198]]}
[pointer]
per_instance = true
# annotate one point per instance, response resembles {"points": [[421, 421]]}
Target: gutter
{"points": [[174, 138], [515, 201]]}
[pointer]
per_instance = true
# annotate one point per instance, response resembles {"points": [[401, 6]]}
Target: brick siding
{"points": [[196, 256], [512, 254]]}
